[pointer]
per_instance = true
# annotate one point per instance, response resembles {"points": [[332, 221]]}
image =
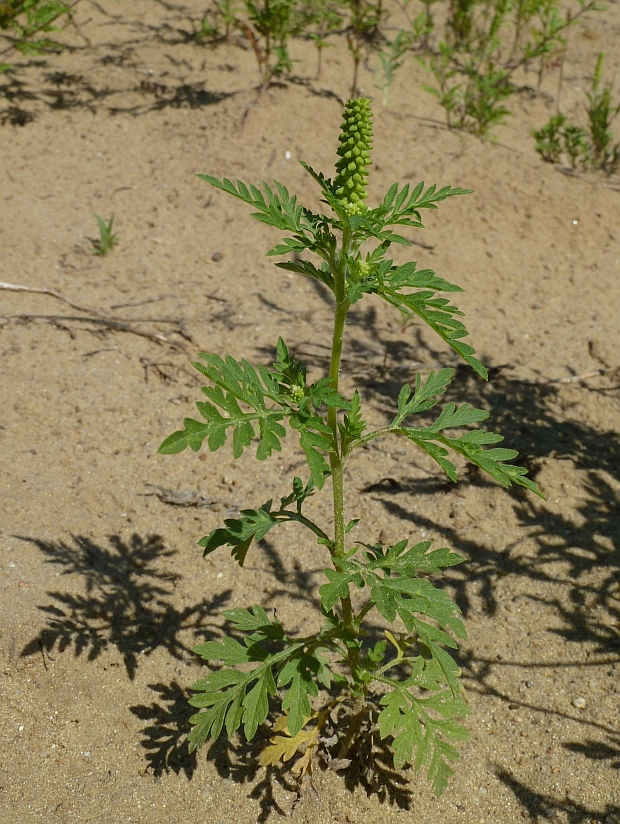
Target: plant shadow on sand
{"points": [[583, 541], [539, 806], [535, 418], [127, 604], [63, 90], [165, 738]]}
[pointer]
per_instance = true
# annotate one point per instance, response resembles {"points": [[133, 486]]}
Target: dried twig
{"points": [[97, 351], [139, 302], [166, 376], [118, 324], [12, 287], [577, 378]]}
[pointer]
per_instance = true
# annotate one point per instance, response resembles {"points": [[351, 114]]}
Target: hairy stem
{"points": [[360, 709], [297, 516], [335, 458]]}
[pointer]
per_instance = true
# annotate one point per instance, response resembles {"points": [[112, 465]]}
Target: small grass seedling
{"points": [[603, 154], [107, 239], [339, 694]]}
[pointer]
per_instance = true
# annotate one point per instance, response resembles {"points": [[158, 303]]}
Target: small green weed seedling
{"points": [[391, 58], [270, 26], [603, 152], [549, 138], [592, 147], [337, 691], [26, 19], [107, 239], [218, 21], [323, 17]]}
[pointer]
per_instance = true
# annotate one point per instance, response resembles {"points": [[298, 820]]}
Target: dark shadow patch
{"points": [[537, 805], [165, 739], [127, 604], [15, 116], [598, 750], [534, 419], [296, 584], [187, 95]]}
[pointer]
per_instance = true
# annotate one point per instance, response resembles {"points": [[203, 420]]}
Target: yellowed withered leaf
{"points": [[304, 765], [282, 748]]}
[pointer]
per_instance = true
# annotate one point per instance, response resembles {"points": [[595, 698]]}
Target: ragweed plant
{"points": [[406, 686]]}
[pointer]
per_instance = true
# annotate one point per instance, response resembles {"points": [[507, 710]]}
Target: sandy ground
{"points": [[104, 590]]}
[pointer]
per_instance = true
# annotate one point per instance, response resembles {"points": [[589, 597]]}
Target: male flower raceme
{"points": [[354, 153]]}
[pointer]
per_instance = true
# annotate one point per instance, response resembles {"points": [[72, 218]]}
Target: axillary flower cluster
{"points": [[354, 152]]}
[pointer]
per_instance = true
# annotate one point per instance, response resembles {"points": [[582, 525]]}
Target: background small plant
{"points": [[107, 239], [322, 18], [404, 688], [592, 147], [549, 138], [365, 18], [24, 20], [218, 21], [603, 153], [391, 58], [482, 44], [472, 48], [272, 23]]}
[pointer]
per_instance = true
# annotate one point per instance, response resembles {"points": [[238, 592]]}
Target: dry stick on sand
{"points": [[577, 378], [98, 317]]}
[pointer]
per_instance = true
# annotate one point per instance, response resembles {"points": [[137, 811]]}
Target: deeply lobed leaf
{"points": [[422, 738], [272, 396]]}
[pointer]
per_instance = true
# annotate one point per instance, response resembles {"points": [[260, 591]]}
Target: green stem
{"points": [[378, 433], [404, 660], [297, 516], [335, 458]]}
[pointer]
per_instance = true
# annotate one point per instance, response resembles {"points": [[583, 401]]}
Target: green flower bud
{"points": [[298, 393], [354, 155]]}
